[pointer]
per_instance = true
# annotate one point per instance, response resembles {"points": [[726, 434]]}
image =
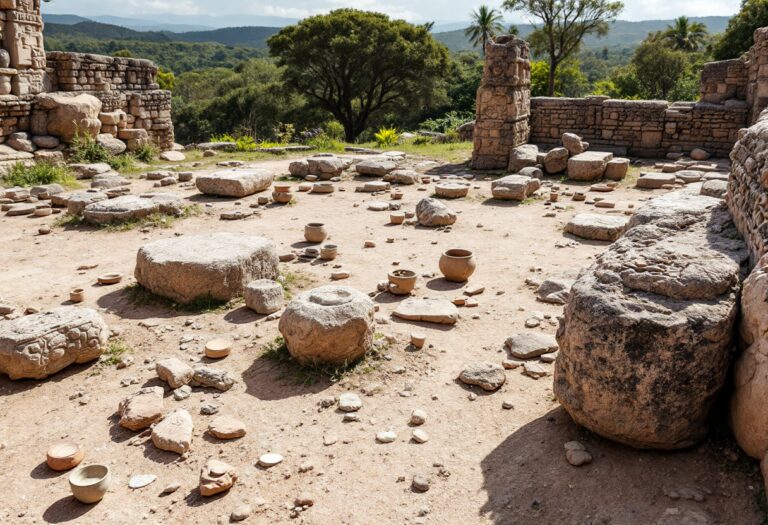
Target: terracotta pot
{"points": [[282, 188], [64, 456], [89, 484], [402, 282], [397, 218], [315, 232], [218, 348], [328, 252], [396, 195], [418, 339], [283, 197], [110, 278], [77, 295], [457, 265]]}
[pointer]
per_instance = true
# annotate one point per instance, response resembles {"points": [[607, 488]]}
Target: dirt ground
{"points": [[486, 465]]}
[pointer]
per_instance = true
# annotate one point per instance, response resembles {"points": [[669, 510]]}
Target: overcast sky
{"points": [[412, 10]]}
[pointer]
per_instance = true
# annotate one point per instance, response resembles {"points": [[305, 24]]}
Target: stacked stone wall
{"points": [[86, 72]]}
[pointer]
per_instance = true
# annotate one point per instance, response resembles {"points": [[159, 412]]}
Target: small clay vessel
{"points": [[77, 295], [64, 456], [329, 252], [418, 339], [110, 278], [397, 218], [402, 282], [282, 197], [282, 188], [396, 195], [89, 484], [457, 265], [554, 196], [218, 348], [315, 232]]}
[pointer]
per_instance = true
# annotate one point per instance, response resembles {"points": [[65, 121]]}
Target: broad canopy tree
{"points": [[355, 64]]}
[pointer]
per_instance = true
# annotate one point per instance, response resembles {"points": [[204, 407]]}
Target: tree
{"points": [[355, 64], [738, 36], [569, 81], [658, 68], [685, 35], [564, 24], [486, 23]]}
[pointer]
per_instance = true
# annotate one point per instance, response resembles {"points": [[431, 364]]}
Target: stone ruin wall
{"points": [[503, 102], [120, 83]]}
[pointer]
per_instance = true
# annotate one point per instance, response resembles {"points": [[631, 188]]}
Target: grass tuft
{"points": [[115, 351], [37, 174]]}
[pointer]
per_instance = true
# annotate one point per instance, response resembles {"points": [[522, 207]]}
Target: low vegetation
{"points": [[140, 296], [86, 149], [24, 175]]}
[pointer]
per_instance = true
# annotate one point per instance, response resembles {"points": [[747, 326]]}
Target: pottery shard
{"points": [[748, 415], [645, 340], [77, 202], [653, 181], [174, 432], [141, 409], [596, 227], [227, 427], [133, 207], [215, 265], [573, 143], [556, 160], [325, 167], [528, 346], [215, 477], [514, 187], [235, 183], [488, 376], [264, 296], [555, 290], [330, 325], [174, 371], [589, 165], [38, 345], [523, 157], [432, 212], [70, 114], [299, 168], [616, 169], [405, 177], [439, 311], [212, 377], [375, 167]]}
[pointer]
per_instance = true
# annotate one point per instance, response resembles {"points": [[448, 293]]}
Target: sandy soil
{"points": [[487, 465]]}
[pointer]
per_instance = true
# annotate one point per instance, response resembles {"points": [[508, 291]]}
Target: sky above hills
{"points": [[164, 11]]}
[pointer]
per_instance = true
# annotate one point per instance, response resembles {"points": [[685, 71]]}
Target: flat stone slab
{"points": [[597, 227], [514, 187], [235, 183], [530, 345], [439, 311], [77, 202], [589, 165], [38, 345], [689, 176], [375, 167], [133, 207], [215, 265], [654, 181]]}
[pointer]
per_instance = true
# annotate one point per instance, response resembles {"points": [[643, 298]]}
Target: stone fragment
{"points": [[264, 296], [375, 167], [173, 156], [523, 157], [556, 160], [227, 427], [534, 370], [432, 213], [142, 409], [216, 477], [699, 154], [439, 311], [70, 114], [113, 145], [654, 181], [596, 227], [576, 454], [325, 167], [616, 169], [715, 188], [132, 207], [77, 202], [418, 417], [299, 168], [174, 371], [588, 166], [405, 177], [174, 432], [212, 377], [573, 143], [488, 376], [387, 436], [555, 290], [237, 183], [514, 187], [349, 402], [530, 345]]}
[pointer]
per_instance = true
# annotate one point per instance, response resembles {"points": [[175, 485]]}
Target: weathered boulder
{"points": [[109, 180], [264, 296], [675, 210], [330, 325], [451, 190], [235, 183], [523, 157], [749, 412], [556, 160], [375, 167], [70, 114], [589, 165], [46, 191], [514, 187], [616, 169], [488, 376], [714, 188], [112, 144], [299, 168], [215, 477], [132, 207], [211, 377], [597, 227], [325, 167], [654, 181], [573, 143], [405, 177], [21, 141], [174, 371], [77, 202], [38, 345], [141, 409], [555, 290], [174, 432], [699, 154], [646, 336], [214, 265], [89, 171], [432, 212]]}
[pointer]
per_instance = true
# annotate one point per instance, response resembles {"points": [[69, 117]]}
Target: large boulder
{"points": [[573, 143], [556, 160], [132, 207], [432, 212], [236, 183], [325, 167], [77, 202], [522, 157], [328, 325], [514, 187], [70, 114], [645, 340], [38, 345], [376, 167], [588, 166], [749, 411], [213, 265]]}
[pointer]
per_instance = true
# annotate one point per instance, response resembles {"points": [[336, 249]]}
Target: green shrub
{"points": [[284, 133], [245, 143], [387, 137], [145, 153], [334, 129], [325, 142], [122, 162], [41, 173], [86, 149], [448, 122]]}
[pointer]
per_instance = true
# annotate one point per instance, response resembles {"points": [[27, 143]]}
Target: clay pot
{"points": [[396, 195], [110, 278], [315, 232], [282, 197], [64, 456], [402, 282], [457, 265], [77, 295], [218, 348], [282, 188], [397, 218], [418, 339], [89, 484], [328, 252]]}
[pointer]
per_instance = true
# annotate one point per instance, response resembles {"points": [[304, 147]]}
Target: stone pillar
{"points": [[503, 102], [757, 64], [22, 36]]}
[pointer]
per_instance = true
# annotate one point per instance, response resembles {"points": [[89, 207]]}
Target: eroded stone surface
{"points": [[133, 207], [597, 227], [236, 183]]}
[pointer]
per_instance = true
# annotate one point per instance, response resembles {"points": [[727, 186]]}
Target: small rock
{"points": [[386, 437], [420, 483], [349, 402], [141, 480], [241, 512], [420, 436], [418, 417]]}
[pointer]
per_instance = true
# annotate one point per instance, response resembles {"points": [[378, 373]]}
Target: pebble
{"points": [[270, 460], [507, 404], [532, 322], [386, 437], [576, 454], [182, 393], [534, 370], [171, 488], [420, 436], [349, 402], [304, 499], [241, 512], [418, 417], [209, 409], [420, 483]]}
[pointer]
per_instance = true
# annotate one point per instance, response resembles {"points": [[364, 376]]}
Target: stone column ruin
{"points": [[22, 58]]}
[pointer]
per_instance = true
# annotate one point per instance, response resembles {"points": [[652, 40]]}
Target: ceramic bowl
{"points": [[110, 278], [64, 456], [90, 483], [218, 348], [77, 295]]}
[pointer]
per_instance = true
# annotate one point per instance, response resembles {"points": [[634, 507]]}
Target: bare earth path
{"points": [[486, 465]]}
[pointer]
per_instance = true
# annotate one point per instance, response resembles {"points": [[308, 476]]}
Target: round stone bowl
{"points": [[457, 265], [64, 456], [329, 252], [402, 282], [218, 348], [110, 278], [90, 483]]}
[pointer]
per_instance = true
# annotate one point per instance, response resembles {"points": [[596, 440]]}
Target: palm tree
{"points": [[486, 23], [685, 35]]}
